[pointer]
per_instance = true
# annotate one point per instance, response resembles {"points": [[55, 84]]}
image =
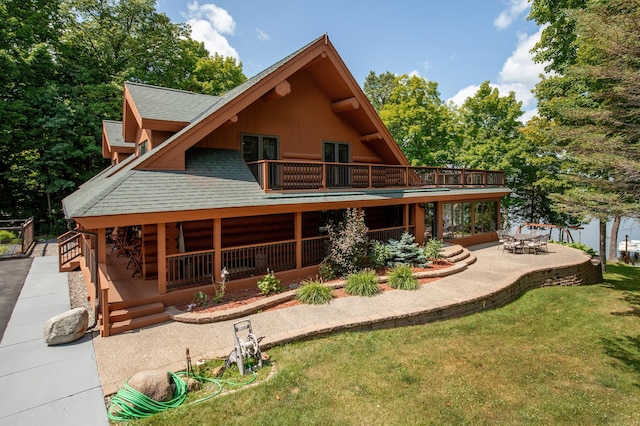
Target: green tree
{"points": [[592, 106], [493, 140], [419, 121], [64, 63]]}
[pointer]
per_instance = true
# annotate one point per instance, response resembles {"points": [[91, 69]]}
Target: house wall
{"points": [[302, 120], [241, 231]]}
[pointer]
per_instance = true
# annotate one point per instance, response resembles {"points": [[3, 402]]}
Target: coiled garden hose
{"points": [[128, 403]]}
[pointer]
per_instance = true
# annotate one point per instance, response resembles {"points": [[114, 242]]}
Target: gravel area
{"points": [[78, 296]]}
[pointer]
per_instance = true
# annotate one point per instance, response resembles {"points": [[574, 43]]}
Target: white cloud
{"points": [[415, 73], [209, 24], [519, 74], [262, 36], [506, 17]]}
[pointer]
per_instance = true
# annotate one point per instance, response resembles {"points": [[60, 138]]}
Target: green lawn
{"points": [[560, 355]]}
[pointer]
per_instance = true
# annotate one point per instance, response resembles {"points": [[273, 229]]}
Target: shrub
{"points": [[363, 283], [348, 243], [401, 277], [406, 251], [433, 249], [7, 237], [580, 246], [327, 271], [314, 293], [379, 254], [269, 284]]}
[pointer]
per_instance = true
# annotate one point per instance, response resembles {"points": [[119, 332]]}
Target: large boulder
{"points": [[156, 384], [66, 327]]}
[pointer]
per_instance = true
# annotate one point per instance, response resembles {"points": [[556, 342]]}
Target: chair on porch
{"points": [[119, 238]]}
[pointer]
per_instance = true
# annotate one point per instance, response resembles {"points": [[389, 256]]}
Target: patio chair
{"points": [[501, 234], [533, 245], [511, 244]]}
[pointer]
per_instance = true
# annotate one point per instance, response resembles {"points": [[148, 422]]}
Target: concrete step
{"points": [[135, 323], [451, 250], [135, 312], [462, 255]]}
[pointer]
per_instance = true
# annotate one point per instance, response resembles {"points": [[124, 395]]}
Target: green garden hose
{"points": [[128, 403]]}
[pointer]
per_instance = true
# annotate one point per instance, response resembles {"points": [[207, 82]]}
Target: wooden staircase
{"points": [[126, 319]]}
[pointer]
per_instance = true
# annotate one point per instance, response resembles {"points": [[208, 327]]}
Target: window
{"points": [[142, 147], [259, 147], [486, 216], [338, 176], [456, 220]]}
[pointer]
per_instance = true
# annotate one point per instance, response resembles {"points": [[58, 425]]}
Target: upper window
{"points": [[260, 147], [142, 147], [336, 152]]}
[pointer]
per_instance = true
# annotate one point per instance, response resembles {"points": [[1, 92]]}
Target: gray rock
{"points": [[66, 327], [156, 384]]}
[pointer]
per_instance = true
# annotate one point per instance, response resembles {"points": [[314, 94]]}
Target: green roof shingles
{"points": [[214, 178], [161, 103], [113, 129]]}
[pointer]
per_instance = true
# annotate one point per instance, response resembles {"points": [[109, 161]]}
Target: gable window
{"points": [[142, 147], [338, 176], [260, 147]]}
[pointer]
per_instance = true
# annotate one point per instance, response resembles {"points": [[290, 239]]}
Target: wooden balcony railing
{"points": [[69, 247], [295, 175]]}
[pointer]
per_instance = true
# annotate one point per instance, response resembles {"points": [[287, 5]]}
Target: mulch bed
{"points": [[236, 298]]}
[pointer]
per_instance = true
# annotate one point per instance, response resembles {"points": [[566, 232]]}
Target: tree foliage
{"points": [[418, 119], [64, 63], [590, 107]]}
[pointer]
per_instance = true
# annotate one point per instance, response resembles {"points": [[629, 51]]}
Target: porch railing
{"points": [[246, 261], [389, 233], [69, 247], [196, 268], [296, 175], [187, 269]]}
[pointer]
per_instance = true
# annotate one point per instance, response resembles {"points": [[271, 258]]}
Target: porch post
{"points": [[419, 225], [298, 234], [102, 245], [406, 218], [217, 247], [162, 257]]}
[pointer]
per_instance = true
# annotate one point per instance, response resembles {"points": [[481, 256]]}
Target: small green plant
{"points": [[201, 298], [8, 237], [433, 249], [219, 290], [580, 246], [379, 254], [314, 293], [406, 251], [401, 277], [327, 271], [269, 284], [362, 283]]}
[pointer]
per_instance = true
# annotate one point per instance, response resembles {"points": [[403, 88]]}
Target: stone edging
{"points": [[584, 273]]}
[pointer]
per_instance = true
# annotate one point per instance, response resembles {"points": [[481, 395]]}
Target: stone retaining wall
{"points": [[586, 273]]}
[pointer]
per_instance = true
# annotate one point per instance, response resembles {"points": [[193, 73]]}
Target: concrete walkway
{"points": [[164, 346], [40, 384]]}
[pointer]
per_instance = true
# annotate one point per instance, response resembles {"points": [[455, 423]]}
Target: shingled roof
{"points": [[214, 178], [161, 103]]}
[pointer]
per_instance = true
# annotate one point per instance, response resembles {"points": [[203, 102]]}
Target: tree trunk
{"points": [[613, 242], [603, 244]]}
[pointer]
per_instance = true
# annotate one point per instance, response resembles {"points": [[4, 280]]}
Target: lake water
{"points": [[590, 235]]}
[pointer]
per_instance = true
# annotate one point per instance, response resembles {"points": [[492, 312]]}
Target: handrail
{"points": [[307, 175]]}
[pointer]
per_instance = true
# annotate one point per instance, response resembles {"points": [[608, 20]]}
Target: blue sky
{"points": [[457, 43]]}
